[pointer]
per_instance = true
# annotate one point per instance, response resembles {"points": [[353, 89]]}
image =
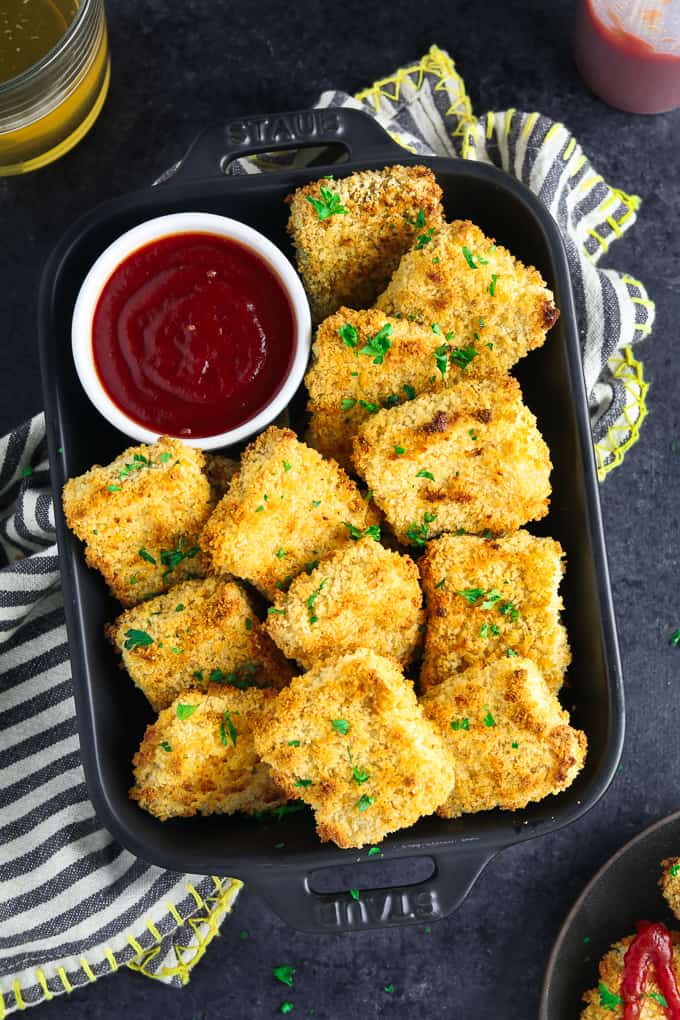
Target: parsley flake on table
{"points": [[675, 637], [286, 1007], [230, 729], [460, 724], [347, 403], [354, 893], [378, 345], [424, 239], [185, 711], [360, 775], [608, 1000], [462, 356], [340, 726], [488, 719], [492, 285], [425, 474], [312, 599], [137, 639], [389, 989], [166, 746], [348, 335], [364, 802], [330, 204], [284, 974], [374, 851]]}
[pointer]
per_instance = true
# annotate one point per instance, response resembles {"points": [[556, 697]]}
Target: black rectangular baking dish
{"points": [[112, 714]]}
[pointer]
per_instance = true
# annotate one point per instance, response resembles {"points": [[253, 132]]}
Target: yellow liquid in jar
{"points": [[28, 30], [63, 124]]}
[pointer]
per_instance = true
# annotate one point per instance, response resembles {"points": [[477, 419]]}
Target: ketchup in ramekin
{"points": [[193, 334]]}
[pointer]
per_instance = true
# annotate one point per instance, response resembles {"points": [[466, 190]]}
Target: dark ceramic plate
{"points": [[624, 890]]}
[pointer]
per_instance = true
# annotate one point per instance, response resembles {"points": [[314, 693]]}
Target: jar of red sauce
{"points": [[629, 53]]}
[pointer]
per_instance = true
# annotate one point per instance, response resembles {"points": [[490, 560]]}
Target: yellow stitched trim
{"points": [[643, 301], [154, 931], [577, 165], [135, 944], [642, 328], [631, 279], [509, 114], [219, 905], [632, 201], [400, 141], [569, 149], [42, 981], [557, 126], [217, 883], [88, 970], [530, 124], [614, 225], [3, 1011], [17, 995], [589, 182], [489, 124], [200, 902], [172, 909], [468, 146], [64, 980], [600, 240], [609, 457], [113, 963]]}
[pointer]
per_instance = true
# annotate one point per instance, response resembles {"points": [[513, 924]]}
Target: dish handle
{"points": [[291, 897], [220, 144]]}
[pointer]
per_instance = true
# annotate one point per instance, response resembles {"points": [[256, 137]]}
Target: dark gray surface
{"points": [[178, 66]]}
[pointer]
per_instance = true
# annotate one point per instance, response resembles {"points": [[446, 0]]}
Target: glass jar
{"points": [[46, 110]]}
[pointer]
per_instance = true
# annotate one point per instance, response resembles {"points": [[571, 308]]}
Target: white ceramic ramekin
{"points": [[153, 230]]}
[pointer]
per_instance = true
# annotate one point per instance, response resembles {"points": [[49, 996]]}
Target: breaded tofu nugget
{"points": [[470, 457], [286, 507], [349, 234], [350, 739], [492, 597], [219, 471], [508, 738], [476, 290], [140, 517], [606, 1003], [364, 361], [670, 884], [199, 632], [361, 596], [199, 757]]}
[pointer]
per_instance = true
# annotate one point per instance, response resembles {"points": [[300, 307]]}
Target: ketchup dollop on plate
{"points": [[193, 335]]}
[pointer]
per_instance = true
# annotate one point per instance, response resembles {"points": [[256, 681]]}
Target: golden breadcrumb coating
{"points": [[346, 385], [361, 596], [670, 884], [508, 738], [140, 517], [285, 508], [219, 471], [347, 258], [509, 600], [204, 761], [350, 739], [470, 457], [499, 302], [601, 1001], [200, 631]]}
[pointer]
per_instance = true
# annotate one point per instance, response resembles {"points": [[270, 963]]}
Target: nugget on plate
{"points": [[361, 596], [286, 507], [363, 361], [670, 883], [140, 517], [350, 739], [349, 234], [476, 290], [199, 632], [606, 1002], [470, 457], [508, 738], [199, 757], [219, 471], [492, 597]]}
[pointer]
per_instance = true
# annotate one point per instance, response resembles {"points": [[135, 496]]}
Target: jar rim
{"points": [[35, 70]]}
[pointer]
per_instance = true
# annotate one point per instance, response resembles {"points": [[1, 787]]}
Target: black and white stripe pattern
{"points": [[74, 905]]}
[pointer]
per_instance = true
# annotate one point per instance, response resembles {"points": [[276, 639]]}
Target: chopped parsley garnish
{"points": [[284, 975], [491, 598], [249, 623], [303, 782], [185, 711], [675, 868], [364, 802], [514, 745], [198, 674], [469, 257], [259, 509], [340, 726], [179, 607], [675, 637], [316, 502], [472, 434], [170, 558], [293, 743], [286, 465], [348, 335], [354, 893], [165, 457], [113, 488], [471, 595], [425, 474], [177, 651], [488, 719], [399, 450], [230, 729], [460, 724], [27, 472], [440, 358], [138, 463], [330, 203], [390, 401], [133, 579], [417, 533], [281, 811], [492, 285], [608, 1000], [275, 612], [147, 556], [137, 639], [506, 608], [374, 850], [280, 553], [462, 356], [424, 239], [409, 391], [511, 653], [360, 775], [372, 531], [312, 599], [378, 345], [165, 745], [658, 998], [440, 584], [312, 565], [347, 403], [369, 406], [418, 221]]}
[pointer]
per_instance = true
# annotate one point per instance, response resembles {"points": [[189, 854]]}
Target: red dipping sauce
{"points": [[193, 335], [652, 948], [622, 68]]}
